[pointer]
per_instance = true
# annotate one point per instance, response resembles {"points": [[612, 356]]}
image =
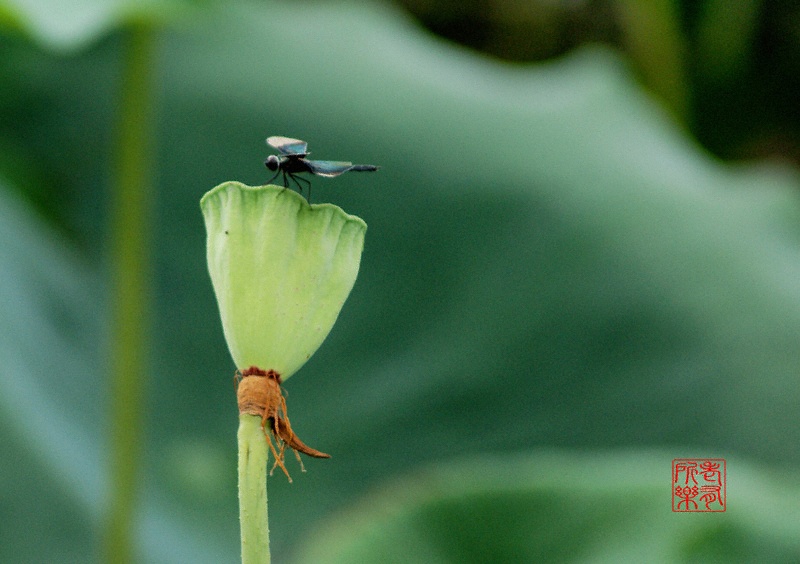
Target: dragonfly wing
{"points": [[329, 168], [287, 145]]}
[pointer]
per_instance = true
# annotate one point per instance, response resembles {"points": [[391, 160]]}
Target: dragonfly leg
{"points": [[297, 181], [274, 176]]}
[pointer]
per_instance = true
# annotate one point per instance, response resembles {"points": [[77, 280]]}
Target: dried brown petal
{"points": [[259, 392]]}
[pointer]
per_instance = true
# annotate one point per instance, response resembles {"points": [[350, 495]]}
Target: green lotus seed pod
{"points": [[281, 271]]}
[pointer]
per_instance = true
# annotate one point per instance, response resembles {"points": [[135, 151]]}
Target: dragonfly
{"points": [[292, 161]]}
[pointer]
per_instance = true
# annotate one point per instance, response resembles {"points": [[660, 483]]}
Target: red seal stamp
{"points": [[698, 485]]}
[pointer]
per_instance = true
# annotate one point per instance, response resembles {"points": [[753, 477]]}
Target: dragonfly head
{"points": [[272, 163]]}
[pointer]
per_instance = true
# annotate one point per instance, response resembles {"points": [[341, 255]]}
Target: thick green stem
{"points": [[253, 490], [130, 270]]}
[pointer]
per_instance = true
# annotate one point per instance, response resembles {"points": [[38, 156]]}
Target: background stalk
{"points": [[130, 273]]}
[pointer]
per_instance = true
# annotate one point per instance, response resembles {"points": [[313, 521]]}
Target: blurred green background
{"points": [[582, 262]]}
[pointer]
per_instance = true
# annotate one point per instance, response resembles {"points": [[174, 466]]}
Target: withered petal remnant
{"points": [[259, 393]]}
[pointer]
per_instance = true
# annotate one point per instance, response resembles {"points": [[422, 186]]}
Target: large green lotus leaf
{"points": [[559, 507], [50, 466], [73, 24], [53, 407], [551, 262]]}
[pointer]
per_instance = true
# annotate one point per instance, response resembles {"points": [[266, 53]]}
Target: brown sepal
{"points": [[259, 392]]}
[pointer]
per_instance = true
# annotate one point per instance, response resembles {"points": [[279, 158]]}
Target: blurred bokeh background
{"points": [[582, 262]]}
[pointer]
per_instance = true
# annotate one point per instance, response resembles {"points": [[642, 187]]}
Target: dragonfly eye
{"points": [[272, 162]]}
